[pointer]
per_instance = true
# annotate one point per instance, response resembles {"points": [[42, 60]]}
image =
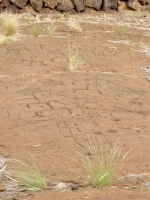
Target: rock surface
{"points": [[19, 3], [37, 4], [73, 6]]}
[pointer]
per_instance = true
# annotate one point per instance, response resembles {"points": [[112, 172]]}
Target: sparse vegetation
{"points": [[9, 23], [121, 29], [74, 25], [36, 31], [29, 178], [74, 58], [28, 17], [65, 15], [51, 30], [5, 39], [103, 165]]}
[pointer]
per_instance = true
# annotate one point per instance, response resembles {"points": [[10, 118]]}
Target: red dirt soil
{"points": [[47, 111]]}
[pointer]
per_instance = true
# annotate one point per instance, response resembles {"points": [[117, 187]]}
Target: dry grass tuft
{"points": [[75, 59], [51, 30], [29, 178], [5, 39], [74, 25], [36, 32], [9, 23]]}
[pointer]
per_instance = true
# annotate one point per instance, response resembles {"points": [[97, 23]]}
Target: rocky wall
{"points": [[17, 6]]}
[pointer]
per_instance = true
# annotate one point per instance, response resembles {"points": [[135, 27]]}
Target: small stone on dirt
{"points": [[74, 187], [2, 188], [146, 185], [117, 119], [90, 152]]}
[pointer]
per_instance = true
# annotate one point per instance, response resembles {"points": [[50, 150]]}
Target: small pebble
{"points": [[117, 119], [90, 152], [74, 187], [2, 188]]}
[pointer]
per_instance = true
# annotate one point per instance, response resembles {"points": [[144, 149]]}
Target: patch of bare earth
{"points": [[47, 111]]}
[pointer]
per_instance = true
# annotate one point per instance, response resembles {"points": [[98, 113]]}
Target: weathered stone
{"points": [[79, 5], [122, 6], [51, 3], [19, 3], [29, 9], [1, 1], [2, 188], [109, 4], [87, 10], [143, 2], [37, 4], [13, 9], [65, 5], [133, 179], [5, 4], [93, 4], [134, 5]]}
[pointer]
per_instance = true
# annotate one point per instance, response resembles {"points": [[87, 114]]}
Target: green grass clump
{"points": [[9, 23], [103, 166], [51, 30], [29, 178], [65, 15], [74, 60], [28, 17], [122, 29], [36, 31]]}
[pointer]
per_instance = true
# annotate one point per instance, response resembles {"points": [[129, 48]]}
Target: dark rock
{"points": [[79, 5], [134, 5], [5, 4], [37, 4], [74, 187], [13, 9], [65, 5], [143, 2], [45, 11], [96, 4], [28, 9], [109, 4], [19, 3], [117, 119], [90, 152], [90, 11], [51, 3]]}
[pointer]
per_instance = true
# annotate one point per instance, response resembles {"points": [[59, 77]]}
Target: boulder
{"points": [[28, 9], [13, 9], [19, 3], [5, 4], [96, 4], [51, 3], [134, 5], [110, 4], [37, 4], [143, 2], [90, 11], [79, 5], [65, 5]]}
